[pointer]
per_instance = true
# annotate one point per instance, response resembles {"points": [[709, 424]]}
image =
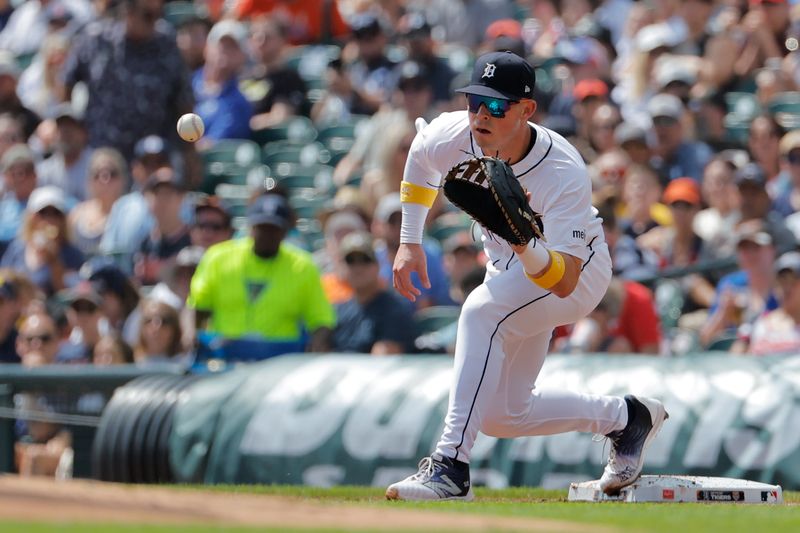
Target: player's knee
{"points": [[501, 424], [502, 428], [478, 304]]}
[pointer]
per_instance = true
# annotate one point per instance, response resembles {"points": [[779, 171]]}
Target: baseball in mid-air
{"points": [[190, 127]]}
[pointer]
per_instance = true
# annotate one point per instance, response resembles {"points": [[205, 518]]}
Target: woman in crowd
{"points": [[107, 180], [159, 335]]}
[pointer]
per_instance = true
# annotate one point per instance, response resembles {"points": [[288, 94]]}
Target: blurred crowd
{"points": [[276, 232]]}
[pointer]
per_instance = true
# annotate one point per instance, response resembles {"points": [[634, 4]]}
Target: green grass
{"points": [[515, 502]]}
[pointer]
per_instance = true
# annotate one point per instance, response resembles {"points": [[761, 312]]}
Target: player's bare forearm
{"points": [[201, 318], [320, 340], [572, 272]]}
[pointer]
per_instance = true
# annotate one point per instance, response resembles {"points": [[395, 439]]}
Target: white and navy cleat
{"points": [[438, 478], [626, 458]]}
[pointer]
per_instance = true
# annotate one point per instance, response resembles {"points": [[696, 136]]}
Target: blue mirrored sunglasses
{"points": [[497, 107]]}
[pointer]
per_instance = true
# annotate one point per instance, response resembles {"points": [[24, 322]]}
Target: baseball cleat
{"points": [[626, 458], [438, 478]]}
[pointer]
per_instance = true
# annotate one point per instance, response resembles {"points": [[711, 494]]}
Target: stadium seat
{"points": [[449, 224], [229, 161], [285, 152], [307, 202], [294, 175], [24, 60], [297, 130], [721, 344], [785, 107], [669, 301], [436, 317], [348, 130], [742, 106], [177, 12], [458, 57]]}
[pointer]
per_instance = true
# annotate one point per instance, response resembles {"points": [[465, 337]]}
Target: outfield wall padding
{"points": [[338, 419]]}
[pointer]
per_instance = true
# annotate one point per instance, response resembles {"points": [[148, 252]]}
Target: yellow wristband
{"points": [[417, 194], [553, 274]]}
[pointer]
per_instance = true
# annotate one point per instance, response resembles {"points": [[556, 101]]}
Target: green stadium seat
{"points": [[25, 60], [237, 152], [297, 130], [229, 161], [742, 106], [307, 155], [722, 343], [459, 58], [669, 302], [295, 175], [177, 12], [786, 109], [738, 132], [347, 131], [449, 224], [307, 202], [436, 317]]}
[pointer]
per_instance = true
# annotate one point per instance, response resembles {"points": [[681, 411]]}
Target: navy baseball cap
{"points": [[270, 209], [502, 75]]}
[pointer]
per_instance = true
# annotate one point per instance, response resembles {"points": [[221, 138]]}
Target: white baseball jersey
{"points": [[552, 171]]}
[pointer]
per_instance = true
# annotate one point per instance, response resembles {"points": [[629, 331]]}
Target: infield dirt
{"points": [[45, 501]]}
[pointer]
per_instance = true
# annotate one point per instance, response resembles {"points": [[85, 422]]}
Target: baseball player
{"points": [[506, 323]]}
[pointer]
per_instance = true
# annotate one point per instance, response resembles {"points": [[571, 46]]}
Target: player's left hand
{"points": [[410, 258]]}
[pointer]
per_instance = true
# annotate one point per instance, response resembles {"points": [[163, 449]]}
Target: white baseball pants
{"points": [[503, 335]]}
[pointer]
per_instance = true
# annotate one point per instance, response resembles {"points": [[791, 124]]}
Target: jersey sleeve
{"points": [[420, 168], [566, 220]]}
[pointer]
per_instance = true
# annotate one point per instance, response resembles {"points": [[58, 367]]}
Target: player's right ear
{"points": [[529, 108]]}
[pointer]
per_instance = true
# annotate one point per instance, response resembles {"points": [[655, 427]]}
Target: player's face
{"points": [[495, 123]]}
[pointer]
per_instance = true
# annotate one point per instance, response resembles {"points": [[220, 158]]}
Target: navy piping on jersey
{"points": [[543, 157], [589, 245], [489, 351], [486, 363], [472, 146]]}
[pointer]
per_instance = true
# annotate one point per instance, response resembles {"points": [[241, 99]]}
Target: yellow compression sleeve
{"points": [[417, 194], [553, 274]]}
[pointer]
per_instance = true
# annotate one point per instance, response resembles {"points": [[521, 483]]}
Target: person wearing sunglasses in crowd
{"points": [[160, 336], [374, 320], [212, 222], [506, 323]]}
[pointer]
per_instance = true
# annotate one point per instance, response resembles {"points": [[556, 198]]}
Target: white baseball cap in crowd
{"points": [[387, 206], [47, 196], [655, 36], [665, 105], [228, 28]]}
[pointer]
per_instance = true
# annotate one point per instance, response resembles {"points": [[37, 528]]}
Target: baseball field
{"points": [[86, 506]]}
